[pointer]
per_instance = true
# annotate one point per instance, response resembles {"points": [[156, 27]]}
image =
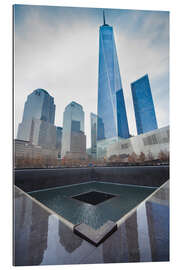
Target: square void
{"points": [[93, 197]]}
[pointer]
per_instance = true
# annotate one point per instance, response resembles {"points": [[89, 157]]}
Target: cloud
{"points": [[57, 49]]}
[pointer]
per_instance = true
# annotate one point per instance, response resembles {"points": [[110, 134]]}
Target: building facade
{"points": [[39, 105], [59, 140], [93, 133], [24, 149], [73, 138], [43, 134], [112, 118], [143, 105], [150, 143], [37, 124]]}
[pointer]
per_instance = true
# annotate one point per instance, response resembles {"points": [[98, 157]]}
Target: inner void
{"points": [[93, 197]]}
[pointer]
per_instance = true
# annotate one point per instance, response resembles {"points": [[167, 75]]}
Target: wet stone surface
{"points": [[95, 236]]}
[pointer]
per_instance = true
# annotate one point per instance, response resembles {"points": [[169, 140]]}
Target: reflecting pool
{"points": [[92, 203]]}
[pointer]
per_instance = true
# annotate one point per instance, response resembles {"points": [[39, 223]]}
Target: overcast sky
{"points": [[56, 48]]}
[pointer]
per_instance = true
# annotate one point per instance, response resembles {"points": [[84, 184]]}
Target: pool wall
{"points": [[35, 179]]}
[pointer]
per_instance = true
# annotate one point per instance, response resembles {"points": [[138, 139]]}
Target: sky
{"points": [[56, 48]]}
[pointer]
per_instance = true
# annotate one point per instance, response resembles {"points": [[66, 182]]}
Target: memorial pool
{"points": [[93, 203]]}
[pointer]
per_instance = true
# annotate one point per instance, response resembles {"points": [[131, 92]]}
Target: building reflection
{"points": [[144, 236], [132, 238], [115, 249], [40, 238], [158, 223], [68, 239], [38, 235], [31, 227], [122, 246]]}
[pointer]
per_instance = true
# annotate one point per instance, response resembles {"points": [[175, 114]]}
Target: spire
{"points": [[104, 17], [104, 20]]}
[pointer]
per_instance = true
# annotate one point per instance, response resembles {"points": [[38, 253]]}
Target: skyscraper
{"points": [[58, 137], [59, 140], [143, 105], [39, 105], [112, 118], [93, 132], [37, 124], [73, 138]]}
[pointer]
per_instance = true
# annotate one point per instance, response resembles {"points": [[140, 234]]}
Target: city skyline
{"points": [[52, 53]]}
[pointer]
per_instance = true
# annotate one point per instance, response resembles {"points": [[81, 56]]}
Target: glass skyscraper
{"points": [[73, 129], [39, 105], [112, 118], [37, 124], [93, 132], [143, 105]]}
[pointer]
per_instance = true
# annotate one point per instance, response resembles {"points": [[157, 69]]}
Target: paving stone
{"points": [[95, 236]]}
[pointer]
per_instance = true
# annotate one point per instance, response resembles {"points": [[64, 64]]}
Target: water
{"points": [[60, 201]]}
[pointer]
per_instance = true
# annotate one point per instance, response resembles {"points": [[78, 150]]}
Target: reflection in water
{"points": [[143, 237], [132, 238], [158, 222], [38, 235], [23, 210], [123, 244], [63, 247], [68, 239], [52, 253], [115, 249], [30, 232]]}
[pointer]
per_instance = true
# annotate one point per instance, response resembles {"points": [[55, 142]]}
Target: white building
{"points": [[152, 142]]}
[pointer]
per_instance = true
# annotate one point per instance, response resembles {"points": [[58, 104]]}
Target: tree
{"points": [[113, 158], [119, 158], [163, 156], [142, 157], [132, 158]]}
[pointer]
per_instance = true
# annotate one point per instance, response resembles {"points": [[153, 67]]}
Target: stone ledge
{"points": [[93, 236]]}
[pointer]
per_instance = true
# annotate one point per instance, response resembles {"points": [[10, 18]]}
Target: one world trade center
{"points": [[112, 118]]}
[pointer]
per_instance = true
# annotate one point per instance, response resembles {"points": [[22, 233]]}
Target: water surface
{"points": [[60, 201]]}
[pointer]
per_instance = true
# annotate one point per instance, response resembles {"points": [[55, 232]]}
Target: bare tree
{"points": [[113, 158], [132, 158], [163, 156], [142, 157]]}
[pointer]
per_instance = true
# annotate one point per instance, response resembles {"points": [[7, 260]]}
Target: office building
{"points": [[73, 138], [143, 105], [59, 140], [39, 105], [112, 118], [93, 133], [58, 137], [24, 149], [37, 124]]}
